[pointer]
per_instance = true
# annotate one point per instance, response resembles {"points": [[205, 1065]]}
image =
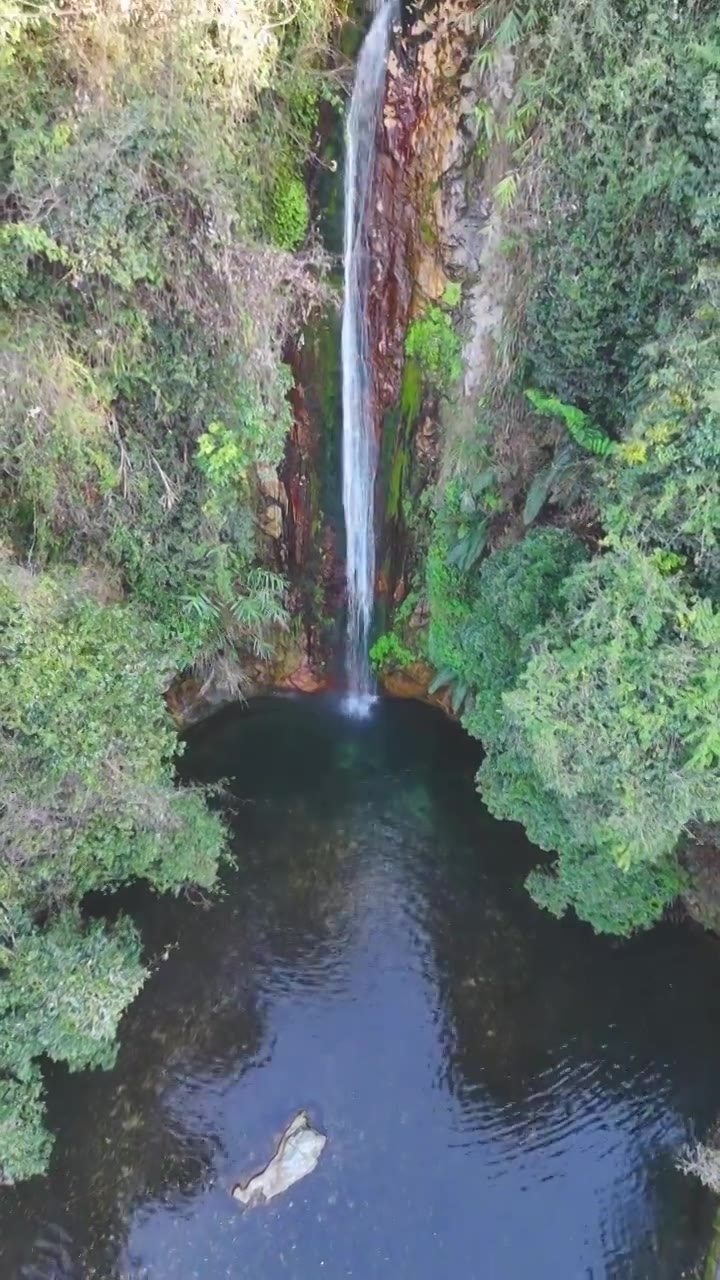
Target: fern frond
{"points": [[509, 31], [583, 431], [441, 680], [506, 190]]}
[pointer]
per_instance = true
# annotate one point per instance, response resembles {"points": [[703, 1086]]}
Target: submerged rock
{"points": [[297, 1155]]}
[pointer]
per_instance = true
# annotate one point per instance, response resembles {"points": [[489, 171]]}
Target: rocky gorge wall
{"points": [[432, 224]]}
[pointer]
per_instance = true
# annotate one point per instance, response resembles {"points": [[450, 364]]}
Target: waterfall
{"points": [[359, 444]]}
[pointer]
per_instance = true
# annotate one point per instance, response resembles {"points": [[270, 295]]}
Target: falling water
{"points": [[359, 445]]}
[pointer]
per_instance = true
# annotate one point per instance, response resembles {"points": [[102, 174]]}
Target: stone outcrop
{"points": [[423, 136], [297, 1155]]}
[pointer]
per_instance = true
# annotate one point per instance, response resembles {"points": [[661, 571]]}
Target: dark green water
{"points": [[503, 1094]]}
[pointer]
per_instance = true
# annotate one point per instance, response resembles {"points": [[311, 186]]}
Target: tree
{"points": [[617, 714], [518, 587], [661, 488], [89, 802]]}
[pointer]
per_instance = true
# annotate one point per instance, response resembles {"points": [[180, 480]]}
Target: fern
{"points": [[200, 607], [584, 432], [260, 611], [548, 481], [457, 687], [509, 31], [469, 548], [506, 190]]}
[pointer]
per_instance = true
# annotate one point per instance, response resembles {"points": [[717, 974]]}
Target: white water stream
{"points": [[359, 444]]}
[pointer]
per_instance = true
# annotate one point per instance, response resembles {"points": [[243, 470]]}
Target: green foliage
{"points": [[616, 718], [290, 212], [452, 293], [629, 158], [105, 793], [143, 308], [64, 991], [583, 431], [88, 803], [554, 482], [518, 588], [388, 653], [221, 455], [662, 490], [608, 898], [451, 592], [618, 710], [470, 546], [59, 455], [150, 168], [24, 1140], [226, 453], [595, 687], [505, 191], [432, 341]]}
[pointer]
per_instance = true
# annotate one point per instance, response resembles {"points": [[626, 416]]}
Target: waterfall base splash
{"points": [[359, 705]]}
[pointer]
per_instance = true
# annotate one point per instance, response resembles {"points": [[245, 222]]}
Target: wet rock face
{"points": [[423, 137], [414, 682], [425, 229], [299, 465]]}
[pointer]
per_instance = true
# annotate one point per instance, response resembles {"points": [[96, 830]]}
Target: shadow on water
{"points": [[503, 1094]]}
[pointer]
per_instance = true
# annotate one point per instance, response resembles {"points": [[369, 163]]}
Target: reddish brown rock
{"points": [[413, 681], [303, 679], [420, 139]]}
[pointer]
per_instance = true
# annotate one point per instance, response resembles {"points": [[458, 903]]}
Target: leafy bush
{"points": [[629, 156], [583, 431], [388, 653], [146, 161], [451, 591], [617, 715], [290, 212], [82, 810], [662, 489], [596, 688], [433, 342], [518, 588], [24, 1140], [64, 992], [612, 900], [106, 792]]}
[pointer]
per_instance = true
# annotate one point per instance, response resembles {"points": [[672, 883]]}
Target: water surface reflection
{"points": [[503, 1094]]}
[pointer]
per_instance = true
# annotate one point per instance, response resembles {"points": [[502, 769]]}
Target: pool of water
{"points": [[503, 1094]]}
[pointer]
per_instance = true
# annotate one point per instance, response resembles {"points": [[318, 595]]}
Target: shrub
{"points": [[88, 802], [433, 342], [610, 899], [661, 490], [145, 312], [630, 150], [518, 588], [290, 212], [388, 653], [617, 713]]}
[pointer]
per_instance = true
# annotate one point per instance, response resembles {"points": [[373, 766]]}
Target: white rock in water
{"points": [[298, 1153]]}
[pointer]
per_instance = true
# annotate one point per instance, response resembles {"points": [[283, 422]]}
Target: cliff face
{"points": [[418, 236], [434, 225], [429, 225]]}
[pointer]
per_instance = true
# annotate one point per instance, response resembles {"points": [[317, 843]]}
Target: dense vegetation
{"points": [[154, 254], [579, 627], [151, 160]]}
